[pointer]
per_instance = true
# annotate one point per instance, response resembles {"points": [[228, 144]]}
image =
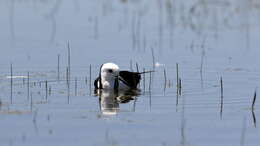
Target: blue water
{"points": [[208, 40]]}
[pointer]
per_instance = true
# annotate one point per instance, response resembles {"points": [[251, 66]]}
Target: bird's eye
{"points": [[110, 70]]}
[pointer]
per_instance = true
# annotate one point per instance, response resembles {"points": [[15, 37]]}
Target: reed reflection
{"points": [[254, 118]]}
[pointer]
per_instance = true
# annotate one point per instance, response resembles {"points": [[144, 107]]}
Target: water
{"points": [[208, 39]]}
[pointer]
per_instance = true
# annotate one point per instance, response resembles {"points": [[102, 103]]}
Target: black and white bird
{"points": [[110, 77]]}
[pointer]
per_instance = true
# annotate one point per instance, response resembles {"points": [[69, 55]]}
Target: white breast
{"points": [[110, 85]]}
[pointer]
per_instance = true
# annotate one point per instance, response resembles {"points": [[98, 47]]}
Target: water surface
{"points": [[208, 40]]}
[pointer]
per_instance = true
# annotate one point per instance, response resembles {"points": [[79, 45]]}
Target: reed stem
{"points": [[165, 79], [28, 86], [222, 96], [46, 90], [144, 79], [254, 99], [90, 79], [58, 68], [11, 71]]}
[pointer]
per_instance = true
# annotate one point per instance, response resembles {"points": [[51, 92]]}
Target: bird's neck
{"points": [[108, 83]]}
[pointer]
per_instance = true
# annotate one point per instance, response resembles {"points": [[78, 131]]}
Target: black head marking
{"points": [[110, 70]]}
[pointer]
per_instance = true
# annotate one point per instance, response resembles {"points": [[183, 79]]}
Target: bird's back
{"points": [[131, 79]]}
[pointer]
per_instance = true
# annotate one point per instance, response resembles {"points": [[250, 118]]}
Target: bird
{"points": [[110, 77]]}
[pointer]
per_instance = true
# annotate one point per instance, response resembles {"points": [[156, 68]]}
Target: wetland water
{"points": [[209, 39]]}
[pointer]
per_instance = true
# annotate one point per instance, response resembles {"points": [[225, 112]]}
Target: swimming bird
{"points": [[110, 77]]}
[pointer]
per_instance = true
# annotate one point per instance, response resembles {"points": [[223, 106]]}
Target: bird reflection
{"points": [[109, 100]]}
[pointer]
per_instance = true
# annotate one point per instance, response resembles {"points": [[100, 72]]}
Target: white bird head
{"points": [[108, 73]]}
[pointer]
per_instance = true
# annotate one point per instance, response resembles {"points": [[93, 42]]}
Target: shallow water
{"points": [[208, 40]]}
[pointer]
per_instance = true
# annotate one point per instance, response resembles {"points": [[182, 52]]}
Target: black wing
{"points": [[131, 79], [96, 84]]}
